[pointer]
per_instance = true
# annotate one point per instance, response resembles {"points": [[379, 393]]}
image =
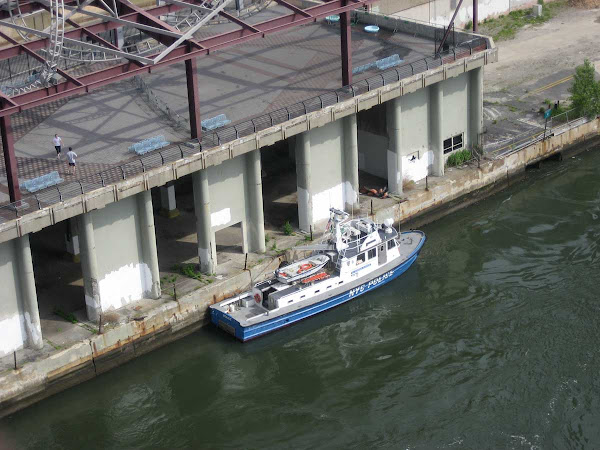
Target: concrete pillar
{"points": [[72, 240], [303, 174], [292, 148], [28, 292], [168, 203], [436, 120], [476, 107], [150, 255], [394, 153], [207, 249], [350, 149], [89, 266], [255, 216]]}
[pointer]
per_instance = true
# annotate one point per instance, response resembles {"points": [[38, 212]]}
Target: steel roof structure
{"points": [[177, 44]]}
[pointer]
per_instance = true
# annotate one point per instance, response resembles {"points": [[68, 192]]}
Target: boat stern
{"points": [[224, 321]]}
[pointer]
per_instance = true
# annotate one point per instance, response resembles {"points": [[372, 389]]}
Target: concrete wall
{"points": [[227, 183], [12, 322], [123, 270], [416, 146], [327, 177], [19, 315], [440, 11]]}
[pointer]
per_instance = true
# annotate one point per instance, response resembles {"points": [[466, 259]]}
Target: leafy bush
{"points": [[585, 91], [287, 229], [458, 158]]}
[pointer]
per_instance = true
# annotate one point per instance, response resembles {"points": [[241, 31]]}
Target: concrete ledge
{"points": [[434, 77], [367, 102], [244, 145]]}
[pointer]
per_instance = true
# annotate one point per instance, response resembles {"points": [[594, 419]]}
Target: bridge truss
{"points": [[67, 39]]}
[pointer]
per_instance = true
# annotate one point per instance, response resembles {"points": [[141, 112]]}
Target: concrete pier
{"points": [[148, 237], [476, 107], [207, 251], [89, 266], [255, 217], [394, 153], [436, 105], [118, 254], [303, 173], [28, 293], [350, 141], [168, 202]]}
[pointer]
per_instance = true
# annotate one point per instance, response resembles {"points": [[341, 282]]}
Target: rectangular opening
{"points": [[391, 244], [372, 253], [454, 143], [360, 259]]}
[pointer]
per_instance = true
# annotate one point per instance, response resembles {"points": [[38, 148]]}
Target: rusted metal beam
{"points": [[293, 8], [10, 160], [449, 28], [191, 78], [475, 16], [239, 22], [346, 50]]}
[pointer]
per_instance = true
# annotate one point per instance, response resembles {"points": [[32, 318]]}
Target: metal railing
{"points": [[59, 193], [556, 125]]}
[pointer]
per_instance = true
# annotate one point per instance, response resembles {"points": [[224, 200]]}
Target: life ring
{"points": [[258, 295], [304, 267], [257, 298]]}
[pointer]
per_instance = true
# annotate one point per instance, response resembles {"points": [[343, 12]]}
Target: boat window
{"points": [[360, 259], [391, 244], [372, 253], [291, 301], [317, 291], [302, 296], [328, 287]]}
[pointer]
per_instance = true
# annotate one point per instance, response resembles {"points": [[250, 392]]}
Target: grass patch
{"points": [[506, 26], [458, 158], [189, 270]]}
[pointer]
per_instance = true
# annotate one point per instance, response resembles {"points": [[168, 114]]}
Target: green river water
{"points": [[491, 340]]}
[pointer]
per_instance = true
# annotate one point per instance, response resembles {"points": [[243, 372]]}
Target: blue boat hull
{"points": [[229, 324]]}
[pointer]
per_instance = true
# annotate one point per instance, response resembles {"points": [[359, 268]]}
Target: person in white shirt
{"points": [[71, 155], [57, 145]]}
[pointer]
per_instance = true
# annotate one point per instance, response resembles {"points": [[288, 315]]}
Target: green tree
{"points": [[585, 91]]}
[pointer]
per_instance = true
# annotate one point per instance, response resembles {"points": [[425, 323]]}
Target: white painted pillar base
{"points": [[168, 203], [72, 240], [207, 249], [394, 153], [255, 221], [89, 266], [303, 173], [436, 120], [28, 292], [148, 238], [350, 155]]}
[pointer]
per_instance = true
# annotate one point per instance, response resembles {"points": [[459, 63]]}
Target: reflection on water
{"points": [[490, 341]]}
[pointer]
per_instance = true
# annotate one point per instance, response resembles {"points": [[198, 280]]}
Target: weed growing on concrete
{"points": [[69, 317], [274, 246], [287, 229], [512, 108], [267, 238], [458, 158], [307, 237], [469, 25]]}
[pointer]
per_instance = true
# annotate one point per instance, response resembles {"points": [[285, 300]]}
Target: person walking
{"points": [[71, 155], [57, 145]]}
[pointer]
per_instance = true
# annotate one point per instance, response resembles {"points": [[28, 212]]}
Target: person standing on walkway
{"points": [[71, 155], [57, 145]]}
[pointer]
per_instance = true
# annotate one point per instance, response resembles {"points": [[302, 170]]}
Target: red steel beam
{"points": [[239, 22], [128, 69], [10, 161], [293, 8]]}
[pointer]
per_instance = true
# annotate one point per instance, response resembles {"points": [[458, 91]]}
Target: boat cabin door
{"points": [[382, 254]]}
